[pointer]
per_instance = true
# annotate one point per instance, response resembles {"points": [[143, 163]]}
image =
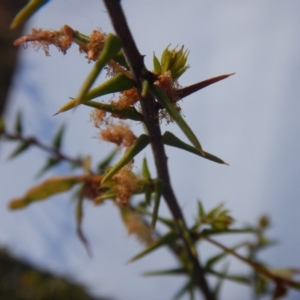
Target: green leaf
{"points": [[165, 60], [26, 12], [104, 196], [188, 237], [79, 209], [142, 141], [80, 38], [58, 137], [118, 83], [178, 271], [123, 113], [106, 161], [173, 61], [145, 169], [171, 140], [180, 66], [111, 47], [18, 123], [215, 211], [148, 194], [46, 189], [159, 94], [2, 125], [261, 286], [157, 65], [51, 162], [237, 278], [21, 148], [167, 222], [158, 192], [201, 212], [146, 174], [185, 289], [145, 88], [169, 238], [121, 60], [191, 292], [79, 217], [214, 231], [180, 72], [221, 280]]}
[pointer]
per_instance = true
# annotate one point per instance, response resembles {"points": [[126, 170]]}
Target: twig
{"points": [[34, 141], [148, 105]]}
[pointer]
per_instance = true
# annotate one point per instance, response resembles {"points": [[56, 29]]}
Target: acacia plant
{"points": [[150, 97]]}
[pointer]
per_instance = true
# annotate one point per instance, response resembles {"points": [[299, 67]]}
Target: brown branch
{"points": [[34, 141], [136, 62]]}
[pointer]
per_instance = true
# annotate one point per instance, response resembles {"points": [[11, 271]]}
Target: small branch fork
{"points": [[149, 109], [35, 142]]}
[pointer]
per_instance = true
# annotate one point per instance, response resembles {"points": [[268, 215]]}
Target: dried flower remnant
{"points": [[126, 184], [127, 98], [119, 134], [113, 68], [63, 39], [91, 45], [136, 226], [95, 45], [40, 38], [169, 86], [91, 187], [98, 117]]}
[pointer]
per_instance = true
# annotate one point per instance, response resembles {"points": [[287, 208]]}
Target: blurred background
{"points": [[250, 120]]}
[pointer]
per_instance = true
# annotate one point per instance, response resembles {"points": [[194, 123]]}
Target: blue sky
{"points": [[250, 120]]}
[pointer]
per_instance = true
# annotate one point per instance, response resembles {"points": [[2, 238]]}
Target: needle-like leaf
{"points": [[45, 190], [57, 141], [170, 237], [158, 192], [142, 141], [159, 94], [186, 91], [20, 149], [171, 140], [111, 47], [118, 83]]}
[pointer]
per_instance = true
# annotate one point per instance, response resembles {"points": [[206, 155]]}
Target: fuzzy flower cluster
{"points": [[126, 98], [119, 134], [170, 86], [136, 226], [126, 184], [170, 67], [63, 40]]}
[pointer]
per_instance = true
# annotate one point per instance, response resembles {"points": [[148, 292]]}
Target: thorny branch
{"points": [[148, 105]]}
